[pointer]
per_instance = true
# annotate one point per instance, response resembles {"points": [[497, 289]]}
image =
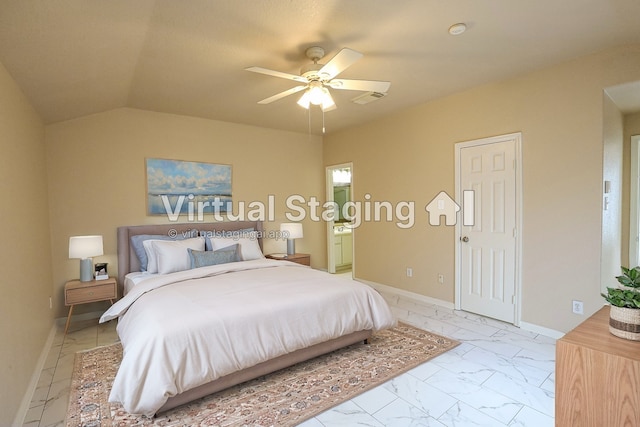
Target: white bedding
{"points": [[186, 329], [132, 279]]}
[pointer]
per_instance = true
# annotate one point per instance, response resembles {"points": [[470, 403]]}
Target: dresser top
{"points": [[594, 334]]}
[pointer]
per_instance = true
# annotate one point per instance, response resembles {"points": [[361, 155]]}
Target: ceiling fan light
{"points": [[327, 101], [304, 100], [316, 95]]}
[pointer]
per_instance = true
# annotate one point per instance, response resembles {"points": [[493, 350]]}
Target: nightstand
{"points": [[77, 292], [303, 259]]}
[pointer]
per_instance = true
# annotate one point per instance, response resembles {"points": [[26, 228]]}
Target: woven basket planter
{"points": [[625, 322]]}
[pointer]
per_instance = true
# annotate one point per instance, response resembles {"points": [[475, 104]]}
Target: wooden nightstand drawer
{"points": [[88, 294], [77, 292]]}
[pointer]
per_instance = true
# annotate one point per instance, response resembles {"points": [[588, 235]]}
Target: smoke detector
{"points": [[457, 29]]}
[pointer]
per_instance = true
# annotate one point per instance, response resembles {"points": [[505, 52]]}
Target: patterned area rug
{"points": [[284, 398]]}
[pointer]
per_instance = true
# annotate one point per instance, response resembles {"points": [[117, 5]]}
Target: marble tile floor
{"points": [[49, 402], [498, 376]]}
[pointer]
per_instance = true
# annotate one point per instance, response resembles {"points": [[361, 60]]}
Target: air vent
{"points": [[368, 97]]}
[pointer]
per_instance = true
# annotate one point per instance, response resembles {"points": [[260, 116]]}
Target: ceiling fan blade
{"points": [[282, 94], [277, 74], [343, 60], [363, 85]]}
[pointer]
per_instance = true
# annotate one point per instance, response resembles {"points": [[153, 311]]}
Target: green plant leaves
{"points": [[621, 297], [630, 277]]}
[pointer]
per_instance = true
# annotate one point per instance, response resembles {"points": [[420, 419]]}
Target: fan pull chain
{"points": [[309, 115], [323, 122]]}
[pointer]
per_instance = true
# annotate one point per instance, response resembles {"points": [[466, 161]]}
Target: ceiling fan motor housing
{"points": [[310, 71], [315, 53]]}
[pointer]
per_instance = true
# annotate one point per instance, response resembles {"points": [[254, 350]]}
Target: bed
{"points": [[192, 332]]}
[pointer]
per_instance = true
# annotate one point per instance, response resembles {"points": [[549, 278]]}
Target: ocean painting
{"points": [[176, 187]]}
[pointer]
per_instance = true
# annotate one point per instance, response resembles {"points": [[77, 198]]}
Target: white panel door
{"points": [[488, 247]]}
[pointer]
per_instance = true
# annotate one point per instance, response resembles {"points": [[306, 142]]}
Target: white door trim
{"points": [[634, 199], [458, 228], [331, 260]]}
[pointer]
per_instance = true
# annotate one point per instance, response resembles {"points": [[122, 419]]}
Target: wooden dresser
{"points": [[597, 377]]}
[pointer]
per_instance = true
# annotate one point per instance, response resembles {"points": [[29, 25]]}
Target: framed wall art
{"points": [[177, 187]]}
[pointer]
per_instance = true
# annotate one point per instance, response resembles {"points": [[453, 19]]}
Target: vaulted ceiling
{"points": [[77, 57]]}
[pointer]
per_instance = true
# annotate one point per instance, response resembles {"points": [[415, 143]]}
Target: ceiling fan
{"points": [[318, 78]]}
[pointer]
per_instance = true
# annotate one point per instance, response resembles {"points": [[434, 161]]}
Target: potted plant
{"points": [[624, 317]]}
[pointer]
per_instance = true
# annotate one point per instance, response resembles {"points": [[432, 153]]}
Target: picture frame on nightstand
{"points": [[101, 271]]}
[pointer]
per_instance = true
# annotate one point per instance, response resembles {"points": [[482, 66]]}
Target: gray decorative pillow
{"points": [[221, 256]]}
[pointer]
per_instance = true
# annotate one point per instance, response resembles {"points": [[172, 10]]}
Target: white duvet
{"points": [[185, 329]]}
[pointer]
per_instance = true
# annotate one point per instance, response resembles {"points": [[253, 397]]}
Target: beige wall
{"points": [[410, 156], [96, 169], [24, 255]]}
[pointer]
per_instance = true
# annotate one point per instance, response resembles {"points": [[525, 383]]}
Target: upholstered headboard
{"points": [[128, 260]]}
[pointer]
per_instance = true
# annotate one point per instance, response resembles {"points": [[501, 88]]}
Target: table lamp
{"points": [[85, 247], [292, 231]]}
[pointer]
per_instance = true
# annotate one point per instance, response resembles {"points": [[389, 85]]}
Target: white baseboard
{"points": [[35, 377], [547, 332], [408, 294], [551, 333], [19, 419]]}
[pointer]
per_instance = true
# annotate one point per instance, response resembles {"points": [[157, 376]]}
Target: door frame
{"points": [[331, 260], [634, 199], [517, 138]]}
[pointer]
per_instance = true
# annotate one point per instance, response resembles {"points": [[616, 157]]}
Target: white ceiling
{"points": [[78, 57], [626, 96]]}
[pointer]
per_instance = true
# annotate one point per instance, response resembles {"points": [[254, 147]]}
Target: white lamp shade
{"points": [[304, 100], [327, 101], [317, 95], [291, 230], [85, 246]]}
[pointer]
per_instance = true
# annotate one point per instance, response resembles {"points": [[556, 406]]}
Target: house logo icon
{"points": [[442, 205]]}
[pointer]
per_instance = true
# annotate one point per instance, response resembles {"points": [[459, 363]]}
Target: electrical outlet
{"points": [[441, 279], [409, 272], [578, 307]]}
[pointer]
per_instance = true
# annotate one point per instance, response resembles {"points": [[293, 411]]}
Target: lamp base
{"points": [[291, 246], [86, 265]]}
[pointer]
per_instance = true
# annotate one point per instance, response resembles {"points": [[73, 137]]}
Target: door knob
{"points": [[464, 239]]}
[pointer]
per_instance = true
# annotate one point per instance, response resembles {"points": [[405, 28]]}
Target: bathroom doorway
{"points": [[339, 233]]}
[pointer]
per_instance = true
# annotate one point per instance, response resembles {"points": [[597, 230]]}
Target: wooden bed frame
{"points": [[128, 262]]}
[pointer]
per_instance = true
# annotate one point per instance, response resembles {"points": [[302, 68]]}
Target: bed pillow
{"points": [[173, 256], [249, 247], [152, 259], [221, 256], [138, 246], [224, 234]]}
